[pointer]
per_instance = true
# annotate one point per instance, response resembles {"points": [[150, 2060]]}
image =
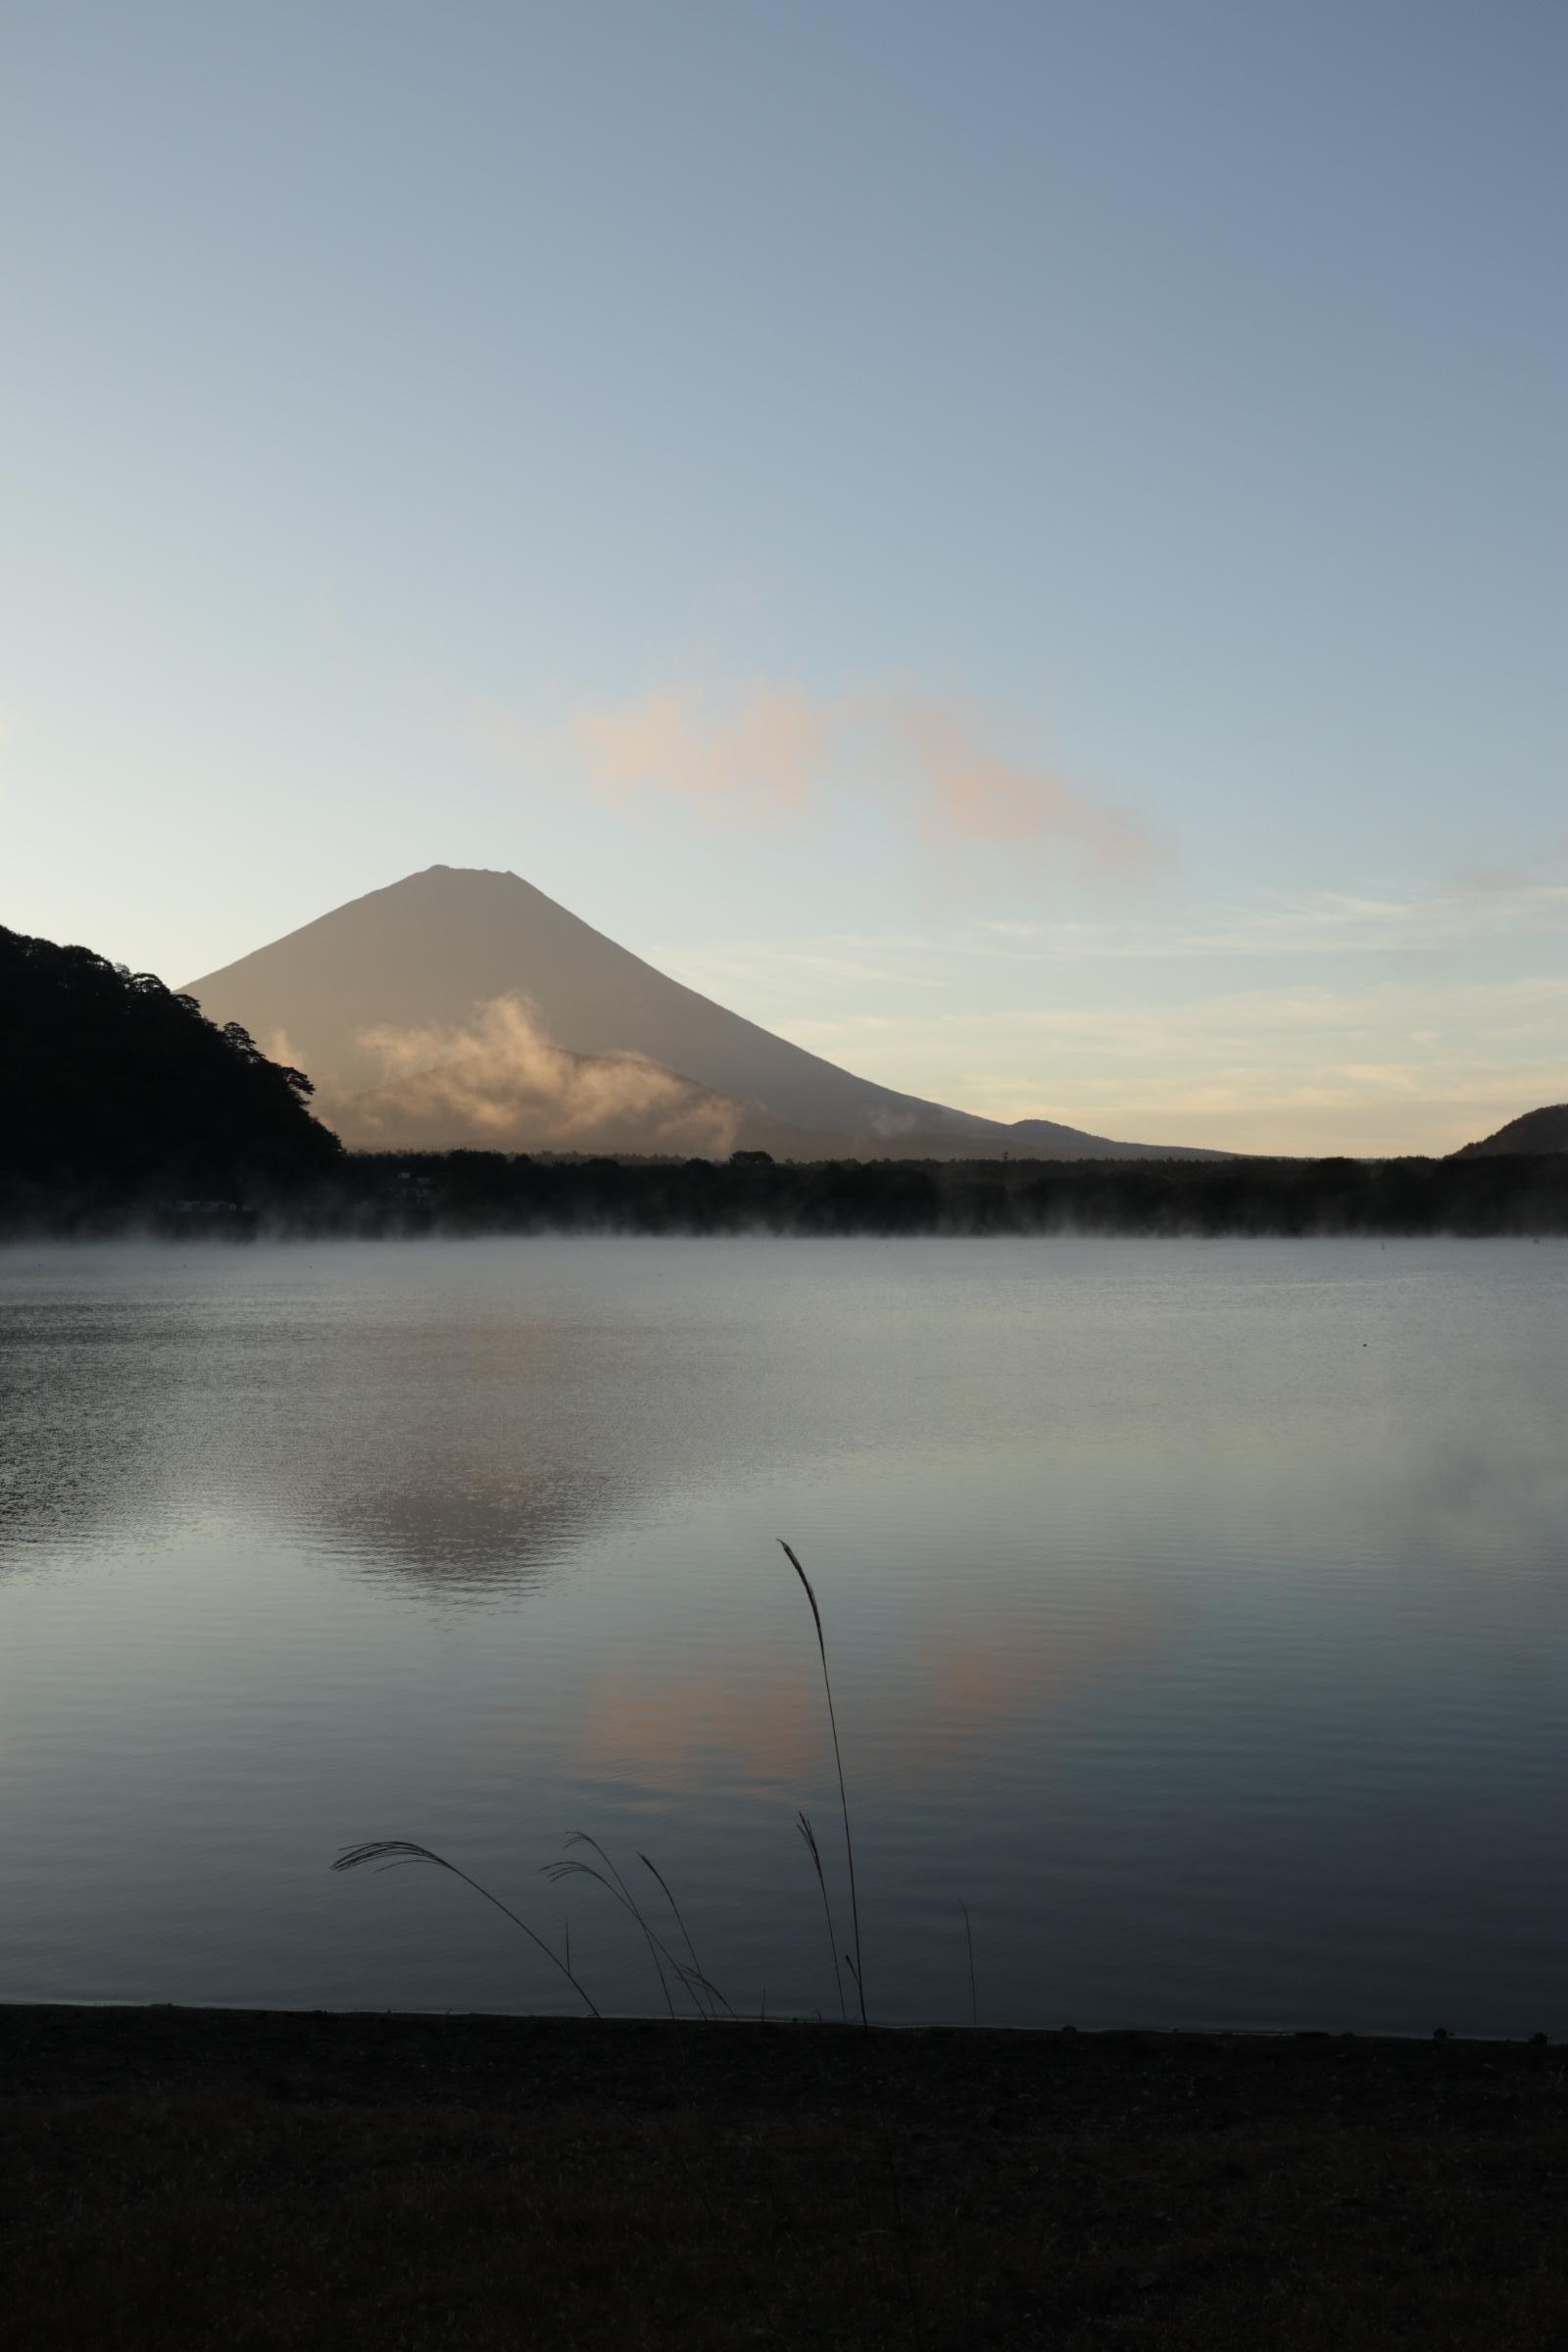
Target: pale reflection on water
{"points": [[1197, 1613]]}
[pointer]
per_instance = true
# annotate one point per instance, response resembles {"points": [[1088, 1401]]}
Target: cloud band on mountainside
{"points": [[499, 1077]]}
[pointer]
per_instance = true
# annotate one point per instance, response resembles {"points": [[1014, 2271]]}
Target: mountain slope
{"points": [[477, 973], [1543, 1130]]}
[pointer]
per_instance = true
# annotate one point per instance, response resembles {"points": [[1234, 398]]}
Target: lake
{"points": [[1197, 1613]]}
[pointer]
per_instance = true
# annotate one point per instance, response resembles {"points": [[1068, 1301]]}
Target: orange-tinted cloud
{"points": [[768, 755], [762, 760], [972, 794]]}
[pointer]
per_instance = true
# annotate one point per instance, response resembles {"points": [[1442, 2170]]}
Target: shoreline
{"points": [[177, 2175], [463, 1194]]}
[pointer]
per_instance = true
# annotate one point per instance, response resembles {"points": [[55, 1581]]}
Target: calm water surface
{"points": [[1197, 1613]]}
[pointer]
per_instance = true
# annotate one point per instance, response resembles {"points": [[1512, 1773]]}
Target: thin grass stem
{"points": [[803, 1823], [609, 1877], [582, 1837], [697, 1975], [838, 1758], [389, 1853]]}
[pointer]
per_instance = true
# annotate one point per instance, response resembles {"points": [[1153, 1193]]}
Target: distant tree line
{"points": [[471, 1192], [116, 1092]]}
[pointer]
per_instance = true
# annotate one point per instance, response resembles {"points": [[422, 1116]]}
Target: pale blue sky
{"points": [[666, 449]]}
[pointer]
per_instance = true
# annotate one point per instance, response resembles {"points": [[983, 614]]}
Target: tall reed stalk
{"points": [[857, 1965], [705, 1995]]}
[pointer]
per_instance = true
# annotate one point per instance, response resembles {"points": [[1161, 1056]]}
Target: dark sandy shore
{"points": [[176, 2177]]}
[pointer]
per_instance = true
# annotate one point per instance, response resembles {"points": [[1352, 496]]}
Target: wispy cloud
{"points": [[1378, 1020], [772, 752], [760, 760], [1399, 1065], [970, 793], [1384, 922], [1332, 924]]}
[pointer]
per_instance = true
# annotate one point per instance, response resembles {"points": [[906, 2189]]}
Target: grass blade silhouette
{"points": [[694, 1974], [838, 1758], [802, 1822], [554, 1872], [700, 1986], [391, 1853], [968, 1938]]}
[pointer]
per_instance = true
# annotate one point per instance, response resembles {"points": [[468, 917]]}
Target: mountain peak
{"points": [[473, 971]]}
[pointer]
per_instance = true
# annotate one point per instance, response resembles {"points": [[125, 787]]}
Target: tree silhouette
{"points": [[116, 1088]]}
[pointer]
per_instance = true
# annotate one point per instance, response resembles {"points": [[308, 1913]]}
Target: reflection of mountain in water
{"points": [[456, 1536], [435, 1455]]}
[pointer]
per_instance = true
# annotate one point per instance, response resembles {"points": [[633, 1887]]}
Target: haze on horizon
{"points": [[1020, 548]]}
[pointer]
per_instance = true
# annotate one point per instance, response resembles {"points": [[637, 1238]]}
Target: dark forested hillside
{"points": [[113, 1089], [1544, 1130]]}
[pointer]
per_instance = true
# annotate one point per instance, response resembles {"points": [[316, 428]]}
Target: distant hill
{"points": [[463, 1008], [1544, 1130], [114, 1088]]}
